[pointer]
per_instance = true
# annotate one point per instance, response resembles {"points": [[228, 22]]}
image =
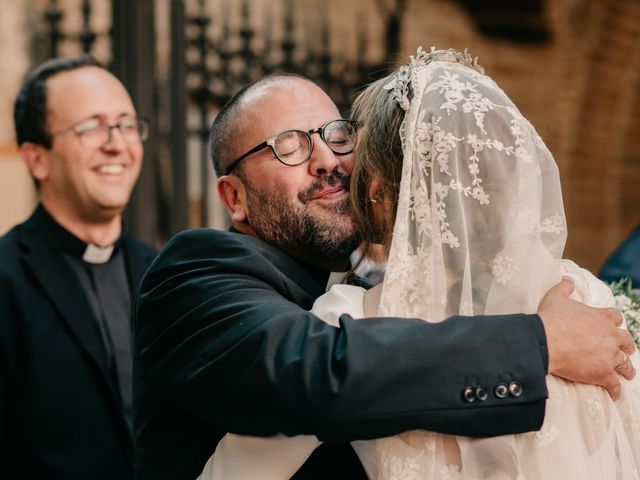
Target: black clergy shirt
{"points": [[103, 277]]}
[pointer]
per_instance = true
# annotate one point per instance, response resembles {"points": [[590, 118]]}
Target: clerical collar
{"points": [[97, 254], [75, 247]]}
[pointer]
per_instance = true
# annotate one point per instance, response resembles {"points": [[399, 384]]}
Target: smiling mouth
{"points": [[330, 193], [111, 169], [331, 187]]}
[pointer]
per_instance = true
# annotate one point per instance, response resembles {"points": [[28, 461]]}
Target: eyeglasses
{"points": [[294, 147], [93, 133]]}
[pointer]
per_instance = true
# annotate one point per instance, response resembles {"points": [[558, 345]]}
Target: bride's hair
{"points": [[378, 158], [379, 111], [470, 192]]}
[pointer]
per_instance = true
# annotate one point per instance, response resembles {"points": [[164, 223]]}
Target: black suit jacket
{"points": [[624, 262], [226, 343], [60, 411]]}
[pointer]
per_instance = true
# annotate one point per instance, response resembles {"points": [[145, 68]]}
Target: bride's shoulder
{"points": [[340, 299]]}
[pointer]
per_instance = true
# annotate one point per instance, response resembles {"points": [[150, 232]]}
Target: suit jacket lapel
{"points": [[61, 286], [310, 280]]}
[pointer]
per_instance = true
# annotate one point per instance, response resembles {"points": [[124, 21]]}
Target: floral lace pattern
{"points": [[504, 269], [449, 157], [480, 229]]}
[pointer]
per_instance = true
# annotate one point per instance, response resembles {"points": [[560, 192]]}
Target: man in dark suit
{"points": [[225, 341], [624, 262], [67, 277]]}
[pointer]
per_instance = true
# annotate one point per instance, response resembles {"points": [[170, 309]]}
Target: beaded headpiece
{"points": [[401, 82]]}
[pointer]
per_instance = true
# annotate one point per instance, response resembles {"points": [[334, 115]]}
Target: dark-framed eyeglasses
{"points": [[93, 133], [294, 147]]}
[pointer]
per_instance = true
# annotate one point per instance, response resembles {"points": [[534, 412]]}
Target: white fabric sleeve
{"points": [[241, 457], [340, 299]]}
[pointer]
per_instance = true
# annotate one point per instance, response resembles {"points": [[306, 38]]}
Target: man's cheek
{"points": [[348, 161]]}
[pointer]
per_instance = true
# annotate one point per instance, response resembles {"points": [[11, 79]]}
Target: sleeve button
{"points": [[481, 393], [501, 390], [515, 389], [469, 395]]}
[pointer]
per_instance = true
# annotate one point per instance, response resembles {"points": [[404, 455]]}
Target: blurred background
{"points": [[571, 66]]}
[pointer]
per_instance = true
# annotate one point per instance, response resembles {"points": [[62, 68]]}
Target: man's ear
{"points": [[36, 157], [233, 195]]}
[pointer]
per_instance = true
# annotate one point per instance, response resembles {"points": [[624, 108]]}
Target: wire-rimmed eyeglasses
{"points": [[93, 133], [294, 147]]}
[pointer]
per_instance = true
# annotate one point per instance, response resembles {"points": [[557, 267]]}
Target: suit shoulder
{"points": [[623, 262], [139, 247], [220, 251], [206, 234], [211, 243], [632, 243], [9, 244], [10, 253]]}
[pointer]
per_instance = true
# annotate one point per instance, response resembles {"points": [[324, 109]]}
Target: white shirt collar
{"points": [[335, 277]]}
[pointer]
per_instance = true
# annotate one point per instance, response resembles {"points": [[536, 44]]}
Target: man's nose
{"points": [[322, 161], [115, 141]]}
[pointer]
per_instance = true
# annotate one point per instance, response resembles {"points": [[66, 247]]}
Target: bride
{"points": [[466, 199]]}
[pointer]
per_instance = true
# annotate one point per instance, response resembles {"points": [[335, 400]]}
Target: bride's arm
{"points": [[240, 457]]}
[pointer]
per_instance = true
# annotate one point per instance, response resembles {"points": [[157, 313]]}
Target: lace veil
{"points": [[480, 219], [480, 229]]}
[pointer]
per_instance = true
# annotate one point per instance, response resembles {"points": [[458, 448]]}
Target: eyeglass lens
{"points": [[294, 146], [340, 136], [96, 135]]}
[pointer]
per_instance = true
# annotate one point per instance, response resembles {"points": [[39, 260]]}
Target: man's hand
{"points": [[585, 344]]}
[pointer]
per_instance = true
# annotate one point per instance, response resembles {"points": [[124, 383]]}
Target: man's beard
{"points": [[295, 230]]}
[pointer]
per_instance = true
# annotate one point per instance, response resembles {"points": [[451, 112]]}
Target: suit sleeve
{"points": [[7, 338], [223, 343], [3, 422]]}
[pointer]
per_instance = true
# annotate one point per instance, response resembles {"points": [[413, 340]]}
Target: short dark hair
{"points": [[30, 108], [224, 127]]}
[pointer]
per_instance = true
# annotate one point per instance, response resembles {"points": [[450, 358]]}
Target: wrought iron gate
{"points": [[215, 50]]}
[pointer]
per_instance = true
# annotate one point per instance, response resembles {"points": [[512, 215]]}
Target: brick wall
{"points": [[581, 92]]}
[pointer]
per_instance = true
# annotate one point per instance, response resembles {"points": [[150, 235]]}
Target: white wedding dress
{"points": [[585, 435], [479, 229]]}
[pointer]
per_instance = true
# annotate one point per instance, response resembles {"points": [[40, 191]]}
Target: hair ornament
{"points": [[400, 84]]}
